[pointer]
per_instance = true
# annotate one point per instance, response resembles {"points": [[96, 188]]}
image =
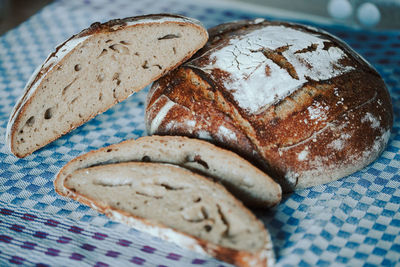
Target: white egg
{"points": [[340, 9], [368, 14]]}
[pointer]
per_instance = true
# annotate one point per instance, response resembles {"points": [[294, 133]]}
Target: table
{"points": [[354, 221]]}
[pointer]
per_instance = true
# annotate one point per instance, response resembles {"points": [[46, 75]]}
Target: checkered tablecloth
{"points": [[352, 222]]}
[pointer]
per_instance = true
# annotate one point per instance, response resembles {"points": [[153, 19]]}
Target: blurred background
{"points": [[376, 14], [13, 12]]}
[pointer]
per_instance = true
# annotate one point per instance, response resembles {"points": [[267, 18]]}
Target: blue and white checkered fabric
{"points": [[351, 222]]}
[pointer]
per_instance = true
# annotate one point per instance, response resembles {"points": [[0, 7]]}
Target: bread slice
{"points": [[245, 181], [96, 69], [177, 205]]}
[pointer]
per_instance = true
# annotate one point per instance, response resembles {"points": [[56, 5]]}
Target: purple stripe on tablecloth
{"points": [[148, 249], [63, 240], [137, 260], [36, 228]]}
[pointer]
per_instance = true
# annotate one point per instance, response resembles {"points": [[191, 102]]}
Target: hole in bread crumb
{"points": [[159, 66], [21, 131], [104, 52], [74, 100], [100, 77], [114, 47], [170, 187], [68, 86], [204, 212], [100, 96], [207, 227], [169, 36], [115, 76], [124, 42], [197, 200], [197, 159], [77, 67], [145, 65], [119, 48], [48, 114], [109, 150], [146, 159], [30, 121], [174, 49], [109, 40], [117, 79]]}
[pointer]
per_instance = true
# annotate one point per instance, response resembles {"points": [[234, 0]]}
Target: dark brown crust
{"points": [[95, 28], [277, 135]]}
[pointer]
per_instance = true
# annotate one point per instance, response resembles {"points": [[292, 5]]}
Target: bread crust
{"points": [[56, 59], [321, 131]]}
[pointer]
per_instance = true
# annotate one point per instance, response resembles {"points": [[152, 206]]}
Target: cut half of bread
{"points": [[249, 184], [177, 205], [94, 70]]}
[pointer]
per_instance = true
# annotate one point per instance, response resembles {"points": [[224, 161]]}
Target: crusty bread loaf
{"points": [[294, 100], [175, 204], [96, 69], [245, 181]]}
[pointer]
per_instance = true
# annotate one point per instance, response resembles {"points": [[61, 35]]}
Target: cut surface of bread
{"points": [[202, 215], [96, 69], [241, 178]]}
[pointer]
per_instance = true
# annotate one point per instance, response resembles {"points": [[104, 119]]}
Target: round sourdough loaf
{"points": [[296, 101]]}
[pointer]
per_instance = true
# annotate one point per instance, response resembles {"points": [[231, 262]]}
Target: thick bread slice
{"points": [[96, 69], [177, 205], [245, 181]]}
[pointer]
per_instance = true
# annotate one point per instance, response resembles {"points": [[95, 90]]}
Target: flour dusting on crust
{"points": [[268, 64], [225, 133]]}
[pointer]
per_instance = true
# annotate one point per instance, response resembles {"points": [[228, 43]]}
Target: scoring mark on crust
{"points": [[276, 56], [310, 48]]}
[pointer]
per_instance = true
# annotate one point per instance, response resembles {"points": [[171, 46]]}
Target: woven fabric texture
{"points": [[354, 221]]}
